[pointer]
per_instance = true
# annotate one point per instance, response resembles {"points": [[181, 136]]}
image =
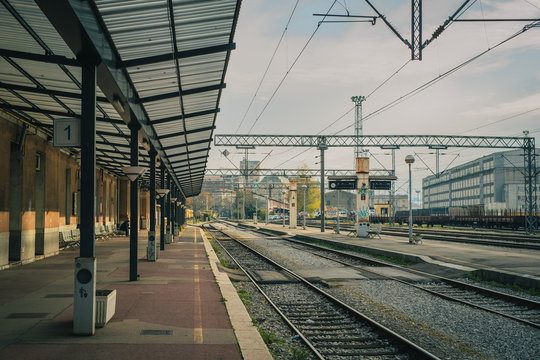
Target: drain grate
{"points": [[27, 315], [59, 295], [156, 332]]}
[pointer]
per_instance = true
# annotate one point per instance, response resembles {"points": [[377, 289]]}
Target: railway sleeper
{"points": [[343, 337], [325, 327], [323, 323], [302, 317], [319, 320], [348, 345], [344, 353], [364, 333]]}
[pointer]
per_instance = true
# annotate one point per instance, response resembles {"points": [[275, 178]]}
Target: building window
{"points": [[38, 161]]}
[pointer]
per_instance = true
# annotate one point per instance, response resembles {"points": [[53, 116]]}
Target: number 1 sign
{"points": [[67, 132]]}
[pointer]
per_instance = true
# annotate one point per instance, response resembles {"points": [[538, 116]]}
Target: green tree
{"points": [[201, 202], [312, 191]]}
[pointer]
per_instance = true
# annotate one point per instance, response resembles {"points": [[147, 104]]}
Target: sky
{"points": [[498, 94]]}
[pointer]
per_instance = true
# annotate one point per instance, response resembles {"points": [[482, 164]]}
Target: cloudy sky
{"points": [[497, 94]]}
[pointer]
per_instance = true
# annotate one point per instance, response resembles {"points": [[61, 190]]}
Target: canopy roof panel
{"points": [[164, 59]]}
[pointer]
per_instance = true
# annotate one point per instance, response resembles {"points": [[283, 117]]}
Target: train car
{"points": [[502, 221]]}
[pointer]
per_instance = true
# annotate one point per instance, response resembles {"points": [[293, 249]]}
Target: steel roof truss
{"points": [[176, 55]]}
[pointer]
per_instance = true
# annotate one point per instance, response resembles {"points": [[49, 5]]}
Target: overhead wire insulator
{"points": [[438, 32]]}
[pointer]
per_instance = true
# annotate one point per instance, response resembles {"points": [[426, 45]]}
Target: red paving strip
{"points": [[177, 293], [120, 352]]}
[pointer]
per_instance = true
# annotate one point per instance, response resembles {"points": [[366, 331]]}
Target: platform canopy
{"points": [[161, 67]]}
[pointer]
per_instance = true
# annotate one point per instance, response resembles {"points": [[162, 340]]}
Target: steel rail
{"points": [[400, 340], [481, 235], [456, 238], [254, 282], [466, 240], [464, 286]]}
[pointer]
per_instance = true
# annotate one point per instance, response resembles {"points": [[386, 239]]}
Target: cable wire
{"points": [[433, 81], [290, 68], [268, 66]]}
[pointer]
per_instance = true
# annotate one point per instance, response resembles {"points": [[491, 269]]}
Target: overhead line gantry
{"points": [[323, 142]]}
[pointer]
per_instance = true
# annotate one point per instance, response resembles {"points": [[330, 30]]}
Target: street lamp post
{"points": [[283, 207], [409, 159], [337, 212], [305, 212], [267, 208]]}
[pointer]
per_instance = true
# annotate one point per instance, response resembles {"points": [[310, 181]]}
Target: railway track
{"points": [[470, 237], [505, 240], [329, 327], [513, 307]]}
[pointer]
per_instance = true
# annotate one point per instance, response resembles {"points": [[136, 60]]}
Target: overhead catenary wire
{"points": [[384, 82], [500, 120], [290, 68], [268, 66], [456, 15], [429, 83], [433, 81]]}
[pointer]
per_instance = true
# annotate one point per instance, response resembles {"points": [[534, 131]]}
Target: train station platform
{"points": [[501, 264], [181, 307]]}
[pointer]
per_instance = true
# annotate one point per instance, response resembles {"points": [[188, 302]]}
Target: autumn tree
{"points": [[306, 184]]}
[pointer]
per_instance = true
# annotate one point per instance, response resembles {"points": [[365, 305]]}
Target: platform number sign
{"points": [[67, 132]]}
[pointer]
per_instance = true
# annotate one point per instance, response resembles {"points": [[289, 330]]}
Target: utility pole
{"points": [[437, 163], [361, 163], [393, 191], [337, 219], [267, 209], [358, 126], [322, 147], [268, 199]]}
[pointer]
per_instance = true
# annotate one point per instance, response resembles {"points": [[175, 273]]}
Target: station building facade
{"points": [[491, 183], [39, 194]]}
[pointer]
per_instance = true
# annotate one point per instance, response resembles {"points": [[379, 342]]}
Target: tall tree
{"points": [[308, 185]]}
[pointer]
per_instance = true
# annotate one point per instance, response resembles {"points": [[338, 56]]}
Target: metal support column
{"points": [[267, 209], [151, 251], [392, 212], [162, 212], [134, 205], [531, 221], [437, 158], [416, 29], [322, 147], [84, 305], [88, 162], [173, 212], [168, 211], [358, 126], [246, 168], [183, 212], [410, 208], [337, 217]]}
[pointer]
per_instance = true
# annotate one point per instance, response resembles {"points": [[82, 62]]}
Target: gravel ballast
{"points": [[445, 328]]}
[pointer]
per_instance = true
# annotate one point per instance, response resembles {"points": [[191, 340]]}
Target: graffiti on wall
{"points": [[363, 213]]}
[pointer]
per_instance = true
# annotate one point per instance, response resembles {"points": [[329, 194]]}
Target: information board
{"points": [[380, 185], [342, 184]]}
